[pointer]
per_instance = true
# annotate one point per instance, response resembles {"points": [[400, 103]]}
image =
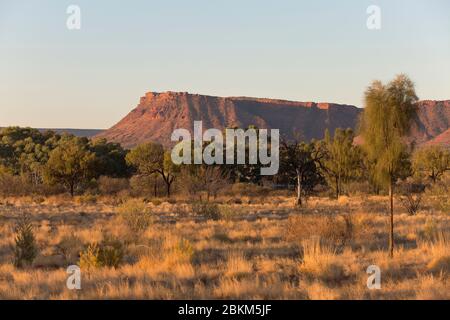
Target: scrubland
{"points": [[249, 248]]}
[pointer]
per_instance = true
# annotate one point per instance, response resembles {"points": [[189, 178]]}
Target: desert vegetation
{"points": [[140, 226]]}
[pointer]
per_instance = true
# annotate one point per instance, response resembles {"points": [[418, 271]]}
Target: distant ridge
{"points": [[158, 114], [88, 133]]}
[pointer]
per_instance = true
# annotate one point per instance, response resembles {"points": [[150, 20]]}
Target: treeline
{"points": [[46, 163], [34, 162]]}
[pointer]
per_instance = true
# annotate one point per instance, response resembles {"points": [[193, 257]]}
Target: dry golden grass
{"points": [[266, 249]]}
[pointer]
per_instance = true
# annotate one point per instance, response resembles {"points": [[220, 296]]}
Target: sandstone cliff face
{"points": [[433, 120], [158, 114]]}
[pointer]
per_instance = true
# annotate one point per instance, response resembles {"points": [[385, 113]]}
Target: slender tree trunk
{"points": [[168, 184], [391, 222], [337, 188], [72, 190], [155, 187], [299, 190]]}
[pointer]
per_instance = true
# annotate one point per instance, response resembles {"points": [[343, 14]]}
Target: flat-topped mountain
{"points": [[158, 114]]}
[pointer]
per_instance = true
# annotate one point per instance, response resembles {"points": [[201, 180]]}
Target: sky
{"points": [[53, 77]]}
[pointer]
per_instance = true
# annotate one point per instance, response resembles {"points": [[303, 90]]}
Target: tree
{"points": [[204, 178], [433, 161], [300, 162], [110, 158], [169, 171], [387, 116], [342, 159], [150, 159], [70, 163]]}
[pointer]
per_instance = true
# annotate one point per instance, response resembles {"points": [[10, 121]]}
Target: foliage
{"points": [[112, 186], [70, 164], [342, 161], [431, 161], [25, 153], [411, 196], [386, 120], [136, 215], [110, 158], [149, 159], [203, 178], [205, 209], [300, 164], [109, 253], [438, 194], [25, 250]]}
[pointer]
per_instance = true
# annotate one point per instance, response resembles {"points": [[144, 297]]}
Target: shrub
{"points": [[142, 186], [136, 215], [69, 248], [89, 258], [411, 203], [332, 230], [411, 196], [249, 189], [438, 193], [11, 185], [109, 254], [87, 199], [228, 212], [208, 210], [25, 250], [112, 186]]}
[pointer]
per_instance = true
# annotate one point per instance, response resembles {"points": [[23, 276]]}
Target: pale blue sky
{"points": [[301, 50]]}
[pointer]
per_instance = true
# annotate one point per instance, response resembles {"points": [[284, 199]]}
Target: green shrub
{"points": [[109, 254], [89, 258], [25, 250]]}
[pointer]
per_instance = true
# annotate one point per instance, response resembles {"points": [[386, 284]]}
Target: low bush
{"points": [[208, 210], [136, 215], [87, 199], [331, 230], [112, 186], [109, 254], [227, 212], [249, 189], [12, 185]]}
